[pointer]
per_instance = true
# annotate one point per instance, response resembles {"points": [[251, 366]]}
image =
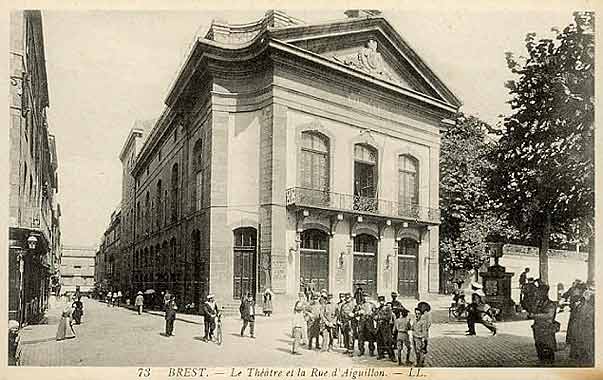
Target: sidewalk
{"points": [[118, 336]]}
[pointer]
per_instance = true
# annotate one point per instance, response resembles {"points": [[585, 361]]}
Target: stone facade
{"points": [[229, 197], [77, 269], [34, 212]]}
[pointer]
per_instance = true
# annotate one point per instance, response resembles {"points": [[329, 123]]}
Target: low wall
{"points": [[564, 266]]}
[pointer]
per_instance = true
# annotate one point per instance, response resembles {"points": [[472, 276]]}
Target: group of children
{"points": [[389, 324]]}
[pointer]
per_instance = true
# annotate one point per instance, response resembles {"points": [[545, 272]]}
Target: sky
{"points": [[107, 69]]}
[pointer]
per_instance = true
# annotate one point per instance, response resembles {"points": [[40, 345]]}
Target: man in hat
{"points": [[139, 302], [384, 318], [209, 311], [301, 306], [347, 315], [366, 330], [478, 312], [170, 316], [314, 322], [394, 303], [329, 316], [339, 322], [247, 310]]}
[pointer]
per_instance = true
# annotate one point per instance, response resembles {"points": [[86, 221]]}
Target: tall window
{"points": [[315, 161], [166, 210], [158, 205], [199, 174], [408, 182], [365, 178], [174, 213], [147, 212]]}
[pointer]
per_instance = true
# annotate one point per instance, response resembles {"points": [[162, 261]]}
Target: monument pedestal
{"points": [[497, 287]]}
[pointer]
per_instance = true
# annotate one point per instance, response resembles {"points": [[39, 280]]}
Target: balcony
{"points": [[304, 197]]}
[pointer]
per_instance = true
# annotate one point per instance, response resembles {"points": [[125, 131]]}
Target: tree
{"points": [[544, 168], [468, 215]]}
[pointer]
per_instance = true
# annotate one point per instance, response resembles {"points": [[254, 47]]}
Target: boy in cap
{"points": [[384, 318], [329, 321], [347, 315], [402, 326]]}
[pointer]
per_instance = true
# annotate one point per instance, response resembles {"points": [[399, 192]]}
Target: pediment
{"points": [[372, 47]]}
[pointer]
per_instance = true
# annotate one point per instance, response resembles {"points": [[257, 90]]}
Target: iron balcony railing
{"points": [[301, 196]]}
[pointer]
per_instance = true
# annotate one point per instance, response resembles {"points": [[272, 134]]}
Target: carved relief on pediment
{"points": [[368, 60]]}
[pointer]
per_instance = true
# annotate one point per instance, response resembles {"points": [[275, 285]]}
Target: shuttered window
{"points": [[315, 161], [408, 170]]}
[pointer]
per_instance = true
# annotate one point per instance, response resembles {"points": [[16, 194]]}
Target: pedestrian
{"points": [[523, 280], [247, 310], [267, 306], [302, 304], [582, 327], [64, 329], [339, 322], [528, 294], [574, 296], [119, 296], [402, 326], [347, 316], [394, 303], [109, 299], [479, 312], [78, 311], [384, 319], [420, 333], [113, 299], [170, 316], [139, 302], [299, 322], [544, 326], [366, 330], [314, 321], [329, 315], [210, 312]]}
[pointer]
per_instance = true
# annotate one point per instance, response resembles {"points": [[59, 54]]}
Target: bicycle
{"points": [[219, 338]]}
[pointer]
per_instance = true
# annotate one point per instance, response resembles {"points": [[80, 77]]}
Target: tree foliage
{"points": [[544, 166], [468, 217]]}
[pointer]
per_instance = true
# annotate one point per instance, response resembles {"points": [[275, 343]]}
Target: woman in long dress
{"points": [[65, 331], [267, 308]]}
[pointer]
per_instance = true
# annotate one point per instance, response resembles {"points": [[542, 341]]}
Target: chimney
{"points": [[362, 13]]}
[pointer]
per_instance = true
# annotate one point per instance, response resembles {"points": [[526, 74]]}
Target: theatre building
{"points": [[293, 156]]}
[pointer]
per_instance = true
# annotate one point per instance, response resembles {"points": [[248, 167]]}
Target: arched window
{"points": [[365, 178], [408, 251], [174, 198], [199, 173], [408, 182], [365, 263], [315, 161], [314, 260], [159, 205], [244, 268], [138, 215], [147, 212]]}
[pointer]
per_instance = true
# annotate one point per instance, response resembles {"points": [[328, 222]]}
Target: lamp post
{"points": [[32, 243]]}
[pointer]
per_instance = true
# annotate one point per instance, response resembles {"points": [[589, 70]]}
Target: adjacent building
{"points": [[77, 269], [34, 212], [290, 156]]}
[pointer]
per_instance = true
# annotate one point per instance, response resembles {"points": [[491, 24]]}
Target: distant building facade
{"points": [[290, 157], [34, 213], [77, 269]]}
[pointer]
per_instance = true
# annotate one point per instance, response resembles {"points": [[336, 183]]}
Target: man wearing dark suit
{"points": [[170, 316], [247, 310]]}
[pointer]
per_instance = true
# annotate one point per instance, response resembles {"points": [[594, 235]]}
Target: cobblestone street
{"points": [[119, 337]]}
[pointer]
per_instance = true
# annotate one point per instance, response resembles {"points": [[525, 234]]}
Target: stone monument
{"points": [[497, 283]]}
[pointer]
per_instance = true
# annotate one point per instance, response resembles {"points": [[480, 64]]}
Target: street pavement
{"points": [[116, 336]]}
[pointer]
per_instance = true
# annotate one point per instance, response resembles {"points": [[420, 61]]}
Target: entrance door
{"points": [[365, 264], [407, 267], [314, 261], [244, 268]]}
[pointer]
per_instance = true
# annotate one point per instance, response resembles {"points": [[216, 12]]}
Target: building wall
{"points": [[78, 269]]}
